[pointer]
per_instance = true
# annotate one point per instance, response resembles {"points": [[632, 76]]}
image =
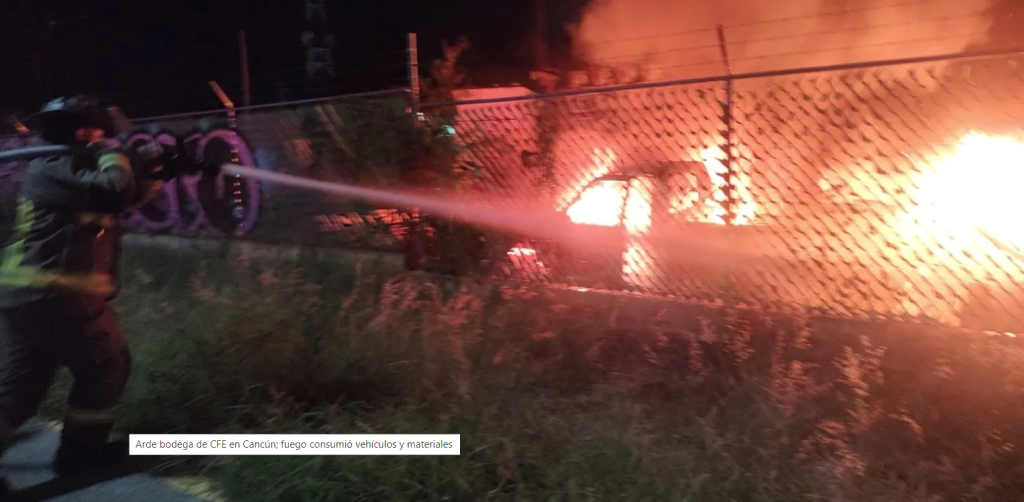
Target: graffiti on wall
{"points": [[204, 203], [10, 174]]}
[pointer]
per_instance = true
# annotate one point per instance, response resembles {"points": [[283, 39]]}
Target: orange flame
{"points": [[604, 202], [744, 205], [599, 204], [959, 221], [976, 191], [960, 226], [611, 203]]}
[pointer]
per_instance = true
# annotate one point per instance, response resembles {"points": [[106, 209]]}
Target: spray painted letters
{"points": [[189, 205]]}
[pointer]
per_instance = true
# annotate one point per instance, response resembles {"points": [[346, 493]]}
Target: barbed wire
{"points": [[775, 21], [795, 36], [823, 50], [717, 61]]}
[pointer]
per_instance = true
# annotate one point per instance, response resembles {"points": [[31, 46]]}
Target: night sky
{"points": [[156, 56]]}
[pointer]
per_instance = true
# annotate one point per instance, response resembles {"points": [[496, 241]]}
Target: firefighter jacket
{"points": [[66, 238]]}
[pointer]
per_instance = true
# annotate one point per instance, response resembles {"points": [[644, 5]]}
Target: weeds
{"points": [[559, 401]]}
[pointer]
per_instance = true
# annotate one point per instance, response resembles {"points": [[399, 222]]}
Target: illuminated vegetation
{"points": [[553, 402]]}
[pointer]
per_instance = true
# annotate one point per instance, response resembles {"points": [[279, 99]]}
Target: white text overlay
{"points": [[295, 444]]}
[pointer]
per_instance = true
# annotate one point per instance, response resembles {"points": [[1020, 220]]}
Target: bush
{"points": [[559, 399]]}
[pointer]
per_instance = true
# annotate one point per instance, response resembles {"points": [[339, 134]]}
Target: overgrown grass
{"points": [[557, 401]]}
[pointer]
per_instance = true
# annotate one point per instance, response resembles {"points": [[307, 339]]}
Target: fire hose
{"points": [[175, 163], [166, 165], [31, 153], [170, 163]]}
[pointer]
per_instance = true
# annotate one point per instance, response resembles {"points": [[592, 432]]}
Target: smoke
{"points": [[677, 39]]}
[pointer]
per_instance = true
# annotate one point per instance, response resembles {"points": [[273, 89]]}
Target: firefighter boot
{"points": [[73, 458], [7, 437], [85, 446]]}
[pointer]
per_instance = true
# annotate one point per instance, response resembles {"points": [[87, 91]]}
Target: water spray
{"points": [[527, 219], [519, 218]]}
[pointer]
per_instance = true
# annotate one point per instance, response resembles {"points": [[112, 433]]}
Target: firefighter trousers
{"points": [[79, 333]]}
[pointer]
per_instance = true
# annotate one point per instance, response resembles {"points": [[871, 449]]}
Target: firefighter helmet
{"points": [[59, 119]]}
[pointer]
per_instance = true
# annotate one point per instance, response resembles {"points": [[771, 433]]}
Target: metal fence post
{"points": [[414, 79], [728, 133], [237, 204]]}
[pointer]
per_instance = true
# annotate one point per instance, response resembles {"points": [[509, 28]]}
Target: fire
{"points": [[612, 202], [960, 227], [609, 203], [639, 203], [600, 204], [525, 259], [744, 205], [957, 224], [974, 193]]}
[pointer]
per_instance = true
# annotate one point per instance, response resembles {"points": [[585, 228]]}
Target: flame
{"points": [[610, 203], [960, 226], [744, 205], [958, 222], [592, 207], [524, 259], [976, 191], [599, 204], [602, 202], [639, 203]]}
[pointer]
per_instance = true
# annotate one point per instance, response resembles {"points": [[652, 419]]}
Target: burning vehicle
{"points": [[666, 231], [846, 196], [669, 233]]}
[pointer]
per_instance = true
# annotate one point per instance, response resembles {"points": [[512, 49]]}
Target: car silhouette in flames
{"points": [[657, 236]]}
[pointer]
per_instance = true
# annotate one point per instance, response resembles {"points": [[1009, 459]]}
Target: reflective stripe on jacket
{"points": [[67, 237]]}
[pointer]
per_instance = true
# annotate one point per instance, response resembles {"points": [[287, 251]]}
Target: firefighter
{"points": [[58, 276]]}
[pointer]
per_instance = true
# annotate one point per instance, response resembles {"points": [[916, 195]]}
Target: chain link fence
{"points": [[873, 191], [357, 138], [887, 191]]}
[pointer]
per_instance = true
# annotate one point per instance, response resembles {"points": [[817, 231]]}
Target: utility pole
{"points": [[243, 54], [319, 43], [541, 36], [414, 79], [542, 72], [547, 122]]}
